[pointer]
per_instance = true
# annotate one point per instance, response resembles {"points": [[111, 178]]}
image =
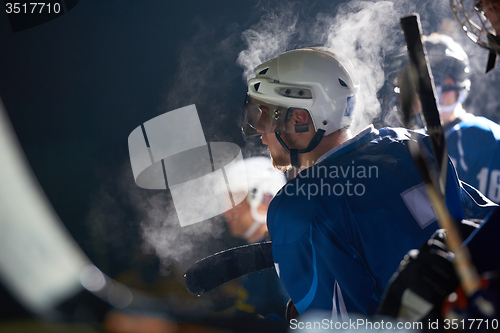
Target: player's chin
{"points": [[281, 163]]}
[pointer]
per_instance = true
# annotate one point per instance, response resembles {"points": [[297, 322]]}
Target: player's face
{"points": [[492, 11], [239, 218], [263, 125], [279, 157], [447, 98]]}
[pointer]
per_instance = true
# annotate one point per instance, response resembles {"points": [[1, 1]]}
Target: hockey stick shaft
{"points": [[436, 189], [466, 271], [426, 91]]}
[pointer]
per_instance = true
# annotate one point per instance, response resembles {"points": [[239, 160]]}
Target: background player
{"points": [[473, 142], [259, 292], [248, 219]]}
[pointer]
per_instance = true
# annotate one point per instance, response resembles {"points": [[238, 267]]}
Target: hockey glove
{"points": [[422, 282]]}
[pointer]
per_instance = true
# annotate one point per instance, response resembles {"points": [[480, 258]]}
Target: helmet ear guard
{"points": [[302, 128]]}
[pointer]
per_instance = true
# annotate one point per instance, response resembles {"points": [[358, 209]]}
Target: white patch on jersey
{"points": [[419, 205], [277, 267], [460, 148], [337, 295]]}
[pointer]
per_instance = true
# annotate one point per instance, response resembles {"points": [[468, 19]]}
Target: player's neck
{"points": [[327, 143]]}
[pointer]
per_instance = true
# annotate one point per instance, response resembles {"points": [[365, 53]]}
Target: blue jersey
{"points": [[474, 147], [341, 227]]}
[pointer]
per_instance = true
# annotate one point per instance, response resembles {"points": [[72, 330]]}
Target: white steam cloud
{"points": [[361, 31], [270, 37], [174, 245], [365, 32], [121, 208]]}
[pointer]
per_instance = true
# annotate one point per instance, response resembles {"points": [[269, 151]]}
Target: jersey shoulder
{"points": [[390, 135], [393, 140], [478, 128]]}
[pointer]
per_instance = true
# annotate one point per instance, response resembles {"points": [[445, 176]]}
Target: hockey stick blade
{"points": [[222, 267], [412, 31]]}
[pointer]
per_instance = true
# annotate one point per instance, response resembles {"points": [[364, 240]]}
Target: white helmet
{"points": [[310, 78], [258, 177], [255, 175]]}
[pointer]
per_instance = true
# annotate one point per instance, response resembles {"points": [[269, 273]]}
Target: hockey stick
{"points": [[227, 265], [426, 91], [435, 185]]}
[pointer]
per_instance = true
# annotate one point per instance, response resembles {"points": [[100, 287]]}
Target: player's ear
{"points": [[300, 117], [301, 120]]}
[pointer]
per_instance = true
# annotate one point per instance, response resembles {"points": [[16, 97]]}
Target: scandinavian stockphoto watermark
{"points": [[362, 324], [350, 325], [170, 151], [338, 180]]}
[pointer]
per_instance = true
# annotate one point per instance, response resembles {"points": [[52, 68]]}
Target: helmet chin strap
{"points": [[448, 108], [258, 219], [294, 153], [253, 228], [460, 100], [255, 199]]}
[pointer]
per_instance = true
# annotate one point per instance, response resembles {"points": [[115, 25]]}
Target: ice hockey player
{"points": [[261, 292], [473, 142], [248, 219], [342, 225]]}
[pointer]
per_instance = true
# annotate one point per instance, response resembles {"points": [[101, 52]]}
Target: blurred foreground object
{"points": [[40, 263], [45, 270]]}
